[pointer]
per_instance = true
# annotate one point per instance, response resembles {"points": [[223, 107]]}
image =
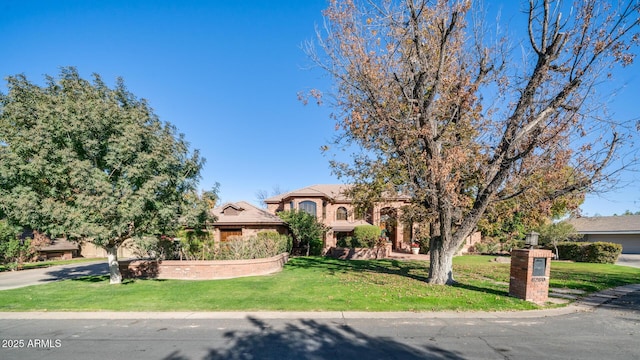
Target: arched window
{"points": [[308, 206], [341, 213]]}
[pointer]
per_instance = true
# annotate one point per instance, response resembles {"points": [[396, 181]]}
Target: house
{"points": [[623, 230], [58, 249], [244, 219], [333, 208]]}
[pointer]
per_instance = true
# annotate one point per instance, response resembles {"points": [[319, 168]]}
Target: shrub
{"points": [[488, 246], [424, 247], [13, 251], [479, 248], [569, 251], [347, 242], [367, 235], [264, 245], [602, 252], [509, 245], [200, 246], [161, 248], [598, 252], [271, 243], [196, 244], [306, 230]]}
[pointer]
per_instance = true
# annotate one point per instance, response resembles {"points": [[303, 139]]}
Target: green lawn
{"points": [[316, 284]]}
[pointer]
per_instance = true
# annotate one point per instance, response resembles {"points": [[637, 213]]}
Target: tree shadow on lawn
{"points": [[309, 339], [105, 278], [410, 269], [484, 290], [76, 271]]}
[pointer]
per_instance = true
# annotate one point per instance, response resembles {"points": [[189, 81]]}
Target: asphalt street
{"points": [[609, 331]]}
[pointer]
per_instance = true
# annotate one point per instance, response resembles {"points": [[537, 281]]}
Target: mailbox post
{"points": [[530, 270]]}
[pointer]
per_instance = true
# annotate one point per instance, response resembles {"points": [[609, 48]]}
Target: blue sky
{"points": [[226, 73]]}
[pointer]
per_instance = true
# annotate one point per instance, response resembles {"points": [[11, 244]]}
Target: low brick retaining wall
{"points": [[360, 253], [202, 269]]}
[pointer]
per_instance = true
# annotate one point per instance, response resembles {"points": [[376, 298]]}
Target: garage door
{"points": [[630, 242], [630, 246], [226, 233]]}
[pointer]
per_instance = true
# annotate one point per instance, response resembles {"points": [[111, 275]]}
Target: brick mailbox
{"points": [[530, 269]]}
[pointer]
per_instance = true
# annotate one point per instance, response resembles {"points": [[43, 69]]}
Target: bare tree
{"points": [[461, 118], [262, 195]]}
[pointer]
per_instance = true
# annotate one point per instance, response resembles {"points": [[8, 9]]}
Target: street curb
{"points": [[347, 315]]}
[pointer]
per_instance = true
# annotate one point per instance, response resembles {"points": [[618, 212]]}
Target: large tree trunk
{"points": [[114, 270], [444, 246], [441, 245], [440, 265]]}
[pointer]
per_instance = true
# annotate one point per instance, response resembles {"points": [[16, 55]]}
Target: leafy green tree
{"points": [[12, 249], [82, 160], [306, 229], [554, 233]]}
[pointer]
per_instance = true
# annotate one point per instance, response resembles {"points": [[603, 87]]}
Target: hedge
{"points": [[367, 235], [596, 252]]}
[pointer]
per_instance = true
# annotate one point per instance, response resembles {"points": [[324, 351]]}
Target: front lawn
{"points": [[316, 284]]}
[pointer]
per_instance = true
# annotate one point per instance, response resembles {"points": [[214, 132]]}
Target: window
{"points": [[341, 213], [308, 207]]}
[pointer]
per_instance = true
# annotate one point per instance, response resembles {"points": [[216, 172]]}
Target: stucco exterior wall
{"points": [[90, 250]]}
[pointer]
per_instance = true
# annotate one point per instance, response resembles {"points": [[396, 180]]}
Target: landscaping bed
{"points": [[378, 252]]}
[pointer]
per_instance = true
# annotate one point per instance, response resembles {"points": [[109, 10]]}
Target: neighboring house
{"points": [[330, 205], [64, 249], [623, 230], [58, 249], [244, 219]]}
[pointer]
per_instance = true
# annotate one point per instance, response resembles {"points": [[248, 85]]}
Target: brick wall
{"points": [[523, 284], [201, 269]]}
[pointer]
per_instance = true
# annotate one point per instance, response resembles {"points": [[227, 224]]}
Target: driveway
{"points": [[17, 279], [629, 260]]}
